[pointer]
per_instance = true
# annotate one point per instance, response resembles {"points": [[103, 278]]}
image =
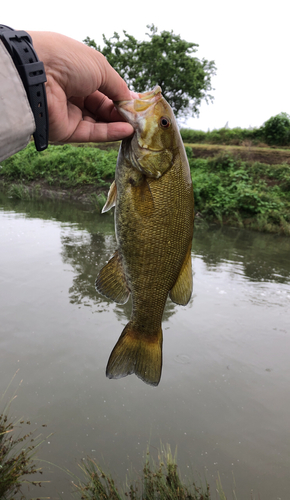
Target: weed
{"points": [[16, 457], [19, 192], [158, 481]]}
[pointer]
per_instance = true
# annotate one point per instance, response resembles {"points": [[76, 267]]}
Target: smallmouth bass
{"points": [[154, 214]]}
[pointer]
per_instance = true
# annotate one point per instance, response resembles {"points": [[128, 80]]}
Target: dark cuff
{"points": [[32, 74]]}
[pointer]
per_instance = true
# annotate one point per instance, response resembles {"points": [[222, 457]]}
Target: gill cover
{"points": [[153, 144]]}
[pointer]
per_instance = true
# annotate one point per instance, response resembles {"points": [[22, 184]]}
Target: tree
{"points": [[276, 130], [164, 60]]}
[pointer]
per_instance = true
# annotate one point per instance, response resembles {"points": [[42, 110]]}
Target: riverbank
{"points": [[232, 185]]}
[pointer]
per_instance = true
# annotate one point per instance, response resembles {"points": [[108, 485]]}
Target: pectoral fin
{"points": [[182, 290], [111, 281], [111, 199], [143, 199]]}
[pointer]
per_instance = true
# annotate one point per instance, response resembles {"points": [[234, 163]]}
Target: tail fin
{"points": [[136, 353]]}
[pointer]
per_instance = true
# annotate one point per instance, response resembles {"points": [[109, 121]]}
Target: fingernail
{"points": [[134, 95]]}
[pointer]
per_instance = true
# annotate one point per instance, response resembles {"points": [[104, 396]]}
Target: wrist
{"points": [[32, 74]]}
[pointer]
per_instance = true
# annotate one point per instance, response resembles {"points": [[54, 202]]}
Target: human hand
{"points": [[81, 87]]}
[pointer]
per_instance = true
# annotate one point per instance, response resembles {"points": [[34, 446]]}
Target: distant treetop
{"points": [[166, 60]]}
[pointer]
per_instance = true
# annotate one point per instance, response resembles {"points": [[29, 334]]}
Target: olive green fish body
{"points": [[154, 228], [154, 231]]}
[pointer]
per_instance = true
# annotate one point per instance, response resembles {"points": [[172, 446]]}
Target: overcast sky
{"points": [[249, 42]]}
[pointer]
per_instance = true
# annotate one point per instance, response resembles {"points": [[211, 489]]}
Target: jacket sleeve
{"points": [[16, 119]]}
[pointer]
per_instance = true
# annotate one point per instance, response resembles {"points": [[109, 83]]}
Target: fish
{"points": [[154, 217]]}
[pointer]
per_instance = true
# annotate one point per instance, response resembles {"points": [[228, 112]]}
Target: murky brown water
{"points": [[224, 397]]}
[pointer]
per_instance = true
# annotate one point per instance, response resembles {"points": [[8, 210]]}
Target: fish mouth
{"points": [[151, 94], [135, 109]]}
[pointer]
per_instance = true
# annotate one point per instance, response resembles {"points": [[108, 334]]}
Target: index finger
{"points": [[112, 84], [102, 108]]}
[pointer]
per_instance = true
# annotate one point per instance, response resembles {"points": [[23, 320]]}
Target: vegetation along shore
{"points": [[236, 181], [21, 469]]}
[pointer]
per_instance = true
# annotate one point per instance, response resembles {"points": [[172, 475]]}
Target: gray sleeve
{"points": [[16, 119]]}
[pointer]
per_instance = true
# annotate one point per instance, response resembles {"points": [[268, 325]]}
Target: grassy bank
{"points": [[61, 166], [239, 193], [159, 480], [228, 189]]}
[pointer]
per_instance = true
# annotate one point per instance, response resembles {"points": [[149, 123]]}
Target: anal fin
{"points": [[182, 289], [111, 281]]}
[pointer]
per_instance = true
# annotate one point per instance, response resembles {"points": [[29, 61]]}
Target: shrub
{"points": [[276, 130]]}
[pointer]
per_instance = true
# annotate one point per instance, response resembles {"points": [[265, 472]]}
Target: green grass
{"points": [[159, 480], [243, 194], [16, 460], [19, 191], [62, 166]]}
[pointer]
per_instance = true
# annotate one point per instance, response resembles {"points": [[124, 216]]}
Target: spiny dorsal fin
{"points": [[111, 281], [182, 290], [111, 199]]}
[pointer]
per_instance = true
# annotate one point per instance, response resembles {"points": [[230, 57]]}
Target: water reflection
{"points": [[88, 242], [258, 257], [87, 253]]}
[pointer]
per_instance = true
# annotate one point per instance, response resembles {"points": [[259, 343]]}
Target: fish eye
{"points": [[165, 122]]}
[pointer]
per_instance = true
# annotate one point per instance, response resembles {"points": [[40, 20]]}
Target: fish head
{"points": [[155, 138]]}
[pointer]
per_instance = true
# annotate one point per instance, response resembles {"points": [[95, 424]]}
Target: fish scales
{"points": [[154, 215]]}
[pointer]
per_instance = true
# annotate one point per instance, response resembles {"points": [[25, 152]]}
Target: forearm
{"points": [[16, 119]]}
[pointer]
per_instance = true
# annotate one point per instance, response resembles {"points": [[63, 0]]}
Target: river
{"points": [[223, 401]]}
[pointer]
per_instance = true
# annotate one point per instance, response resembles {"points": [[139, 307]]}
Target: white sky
{"points": [[248, 40]]}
